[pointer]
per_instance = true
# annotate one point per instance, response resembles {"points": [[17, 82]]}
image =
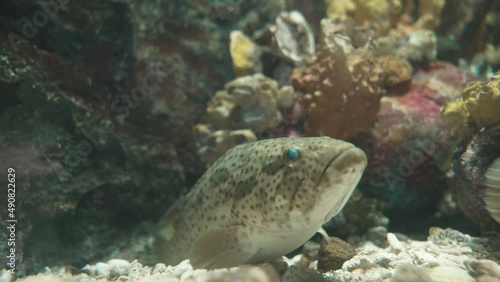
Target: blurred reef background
{"points": [[111, 109]]}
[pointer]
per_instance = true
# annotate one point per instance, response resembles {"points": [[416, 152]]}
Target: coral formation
{"points": [[245, 54], [98, 101], [466, 177], [428, 12], [343, 86], [214, 143], [340, 103], [386, 14], [421, 47], [479, 105], [249, 102], [409, 144], [247, 108]]}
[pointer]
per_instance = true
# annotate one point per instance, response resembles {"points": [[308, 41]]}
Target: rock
{"points": [[297, 274], [394, 243], [159, 268], [102, 270], [410, 273], [377, 235], [333, 253], [444, 248], [484, 270], [117, 267], [447, 273], [115, 87], [45, 278], [410, 145], [466, 176]]}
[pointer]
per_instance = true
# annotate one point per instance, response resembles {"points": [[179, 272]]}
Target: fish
{"points": [[259, 201], [492, 193]]}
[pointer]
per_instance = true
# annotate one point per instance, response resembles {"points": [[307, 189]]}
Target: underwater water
{"points": [[135, 135]]}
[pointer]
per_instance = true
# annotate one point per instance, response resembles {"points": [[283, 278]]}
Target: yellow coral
{"points": [[429, 12], [364, 12], [375, 11], [480, 104], [386, 14], [336, 8], [483, 101], [455, 114], [245, 54], [394, 70]]}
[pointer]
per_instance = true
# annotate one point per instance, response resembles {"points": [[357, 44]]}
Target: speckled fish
{"points": [[492, 194], [260, 201]]}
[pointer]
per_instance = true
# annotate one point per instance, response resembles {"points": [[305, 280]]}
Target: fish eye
{"points": [[291, 156]]}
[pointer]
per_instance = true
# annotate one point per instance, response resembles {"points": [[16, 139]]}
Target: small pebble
{"points": [[6, 276], [159, 268], [89, 269], [102, 269], [333, 253], [118, 267], [394, 242], [484, 270], [377, 235]]}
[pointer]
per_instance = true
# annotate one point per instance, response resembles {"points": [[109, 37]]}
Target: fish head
{"points": [[297, 181]]}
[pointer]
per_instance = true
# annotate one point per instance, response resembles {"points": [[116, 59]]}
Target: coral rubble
{"points": [[447, 251]]}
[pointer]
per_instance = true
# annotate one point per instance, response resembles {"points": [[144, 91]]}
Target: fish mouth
{"points": [[348, 157], [339, 178]]}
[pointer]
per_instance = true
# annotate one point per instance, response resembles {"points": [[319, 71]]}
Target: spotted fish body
{"points": [[260, 201]]}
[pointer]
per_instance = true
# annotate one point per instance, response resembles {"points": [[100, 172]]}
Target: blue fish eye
{"points": [[292, 154]]}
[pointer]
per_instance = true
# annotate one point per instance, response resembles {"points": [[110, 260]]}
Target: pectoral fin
{"points": [[220, 248]]}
